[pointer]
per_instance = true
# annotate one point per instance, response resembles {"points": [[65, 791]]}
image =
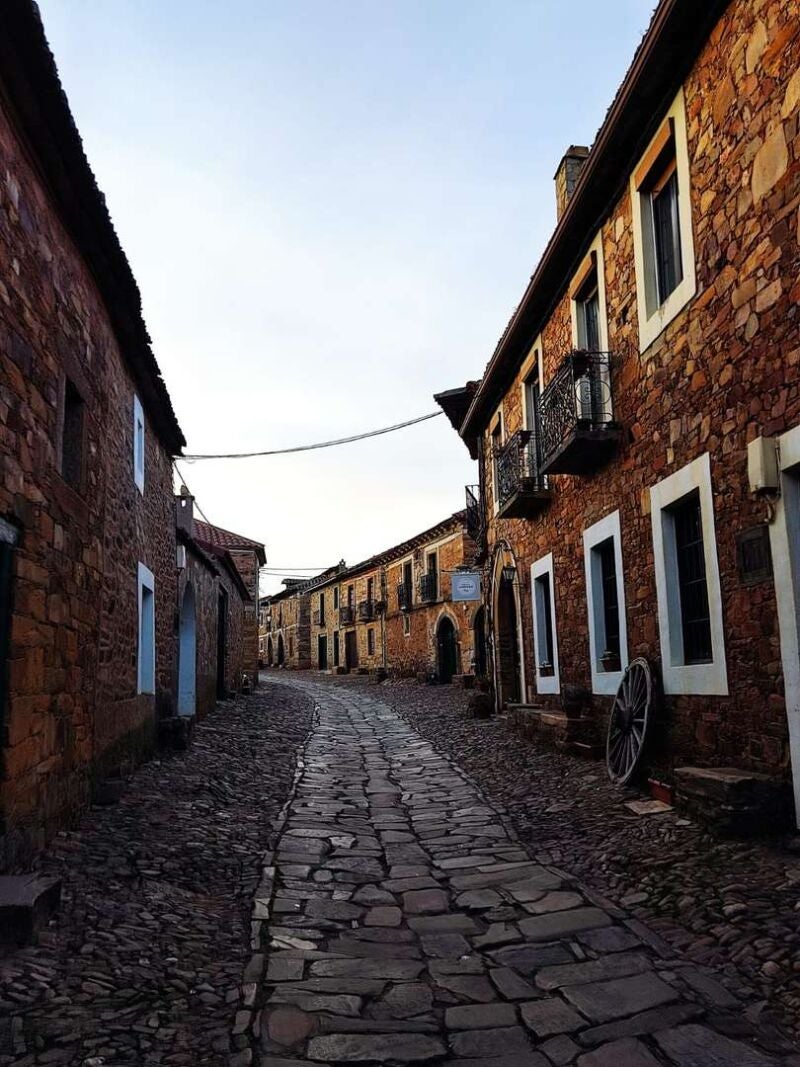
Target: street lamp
{"points": [[509, 574]]}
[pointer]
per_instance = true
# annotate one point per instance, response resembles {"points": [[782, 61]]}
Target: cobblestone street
{"points": [[143, 962], [405, 923]]}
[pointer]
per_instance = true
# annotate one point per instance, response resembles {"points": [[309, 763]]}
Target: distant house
{"points": [[88, 580], [213, 602], [248, 556]]}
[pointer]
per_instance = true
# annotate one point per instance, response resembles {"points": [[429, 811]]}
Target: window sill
{"points": [[651, 327]]}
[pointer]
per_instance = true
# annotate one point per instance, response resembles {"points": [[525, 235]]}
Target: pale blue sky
{"points": [[331, 210]]}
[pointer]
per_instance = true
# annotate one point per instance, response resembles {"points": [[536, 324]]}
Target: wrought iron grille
{"points": [[404, 596], [427, 588], [518, 467], [346, 614], [366, 609], [476, 522], [578, 397]]}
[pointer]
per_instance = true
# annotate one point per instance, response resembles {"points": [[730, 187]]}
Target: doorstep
{"points": [[734, 801], [26, 903]]}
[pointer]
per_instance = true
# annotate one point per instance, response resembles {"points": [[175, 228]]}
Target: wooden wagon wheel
{"points": [[630, 719]]}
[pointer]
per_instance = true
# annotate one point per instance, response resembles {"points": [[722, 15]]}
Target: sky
{"points": [[331, 210]]}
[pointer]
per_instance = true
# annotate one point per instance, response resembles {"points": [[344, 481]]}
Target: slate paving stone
{"points": [[480, 1016], [353, 1048], [627, 1052], [482, 1044], [603, 1001], [425, 902], [699, 1046], [619, 966]]}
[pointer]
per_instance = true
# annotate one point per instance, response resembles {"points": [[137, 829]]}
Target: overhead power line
{"points": [[191, 494], [194, 457]]}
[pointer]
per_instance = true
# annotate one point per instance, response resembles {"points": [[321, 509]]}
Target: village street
{"points": [[398, 920]]}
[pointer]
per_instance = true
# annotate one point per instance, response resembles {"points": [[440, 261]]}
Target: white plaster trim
{"points": [[597, 247], [604, 681], [784, 532], [546, 684], [139, 428], [145, 580], [709, 679], [651, 325]]}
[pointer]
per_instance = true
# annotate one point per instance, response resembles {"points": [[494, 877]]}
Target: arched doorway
{"points": [[187, 654], [479, 642], [269, 651], [446, 650], [507, 649], [280, 650]]}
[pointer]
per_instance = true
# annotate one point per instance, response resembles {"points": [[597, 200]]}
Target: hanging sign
{"points": [[466, 585]]}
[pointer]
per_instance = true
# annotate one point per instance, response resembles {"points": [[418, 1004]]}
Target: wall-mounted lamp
{"points": [[509, 573]]}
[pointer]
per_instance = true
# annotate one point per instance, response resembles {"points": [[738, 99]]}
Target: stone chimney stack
{"points": [[566, 176], [184, 511]]}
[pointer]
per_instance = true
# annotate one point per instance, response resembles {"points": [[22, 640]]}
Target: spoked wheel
{"points": [[630, 719]]}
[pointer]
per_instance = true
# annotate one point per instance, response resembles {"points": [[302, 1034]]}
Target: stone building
{"points": [[211, 609], [285, 631], [249, 557], [637, 427], [394, 612], [87, 533]]}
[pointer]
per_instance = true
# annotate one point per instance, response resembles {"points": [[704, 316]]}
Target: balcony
{"points": [[522, 489], [476, 516], [578, 433], [405, 597], [366, 610], [428, 588], [319, 618], [346, 615], [379, 607]]}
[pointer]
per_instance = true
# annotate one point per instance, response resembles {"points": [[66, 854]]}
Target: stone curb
{"points": [[247, 1010]]}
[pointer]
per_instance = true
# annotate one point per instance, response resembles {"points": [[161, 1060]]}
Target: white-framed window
{"points": [[605, 601], [138, 444], [146, 674], [545, 636], [406, 624], [687, 582], [663, 245], [587, 295], [496, 441]]}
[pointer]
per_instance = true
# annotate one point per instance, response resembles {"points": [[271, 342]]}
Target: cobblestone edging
{"points": [[407, 924], [241, 1035]]}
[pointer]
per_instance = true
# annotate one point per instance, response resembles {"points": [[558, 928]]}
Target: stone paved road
{"points": [[408, 925]]}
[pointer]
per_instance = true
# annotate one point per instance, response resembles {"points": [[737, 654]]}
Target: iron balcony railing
{"points": [[319, 618], [476, 516], [518, 468], [346, 614], [366, 610], [405, 597], [578, 399], [428, 588]]}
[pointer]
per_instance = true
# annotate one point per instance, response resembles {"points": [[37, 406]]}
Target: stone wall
{"points": [[248, 566], [724, 371], [73, 709]]}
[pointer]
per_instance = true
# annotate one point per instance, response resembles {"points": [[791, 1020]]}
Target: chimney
{"points": [[566, 176], [184, 511]]}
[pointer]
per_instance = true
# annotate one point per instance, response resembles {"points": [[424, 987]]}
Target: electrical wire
{"points": [[191, 494], [194, 457]]}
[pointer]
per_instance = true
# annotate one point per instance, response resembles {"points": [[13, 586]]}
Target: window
{"points": [[605, 600], [351, 593], [692, 586], [370, 590], [72, 436], [406, 625], [497, 444], [370, 642], [662, 227], [408, 583], [335, 598], [322, 609], [147, 632], [687, 582], [138, 444], [544, 626], [433, 576]]}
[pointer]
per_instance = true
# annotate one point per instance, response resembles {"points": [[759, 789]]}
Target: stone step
{"points": [[26, 903]]}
